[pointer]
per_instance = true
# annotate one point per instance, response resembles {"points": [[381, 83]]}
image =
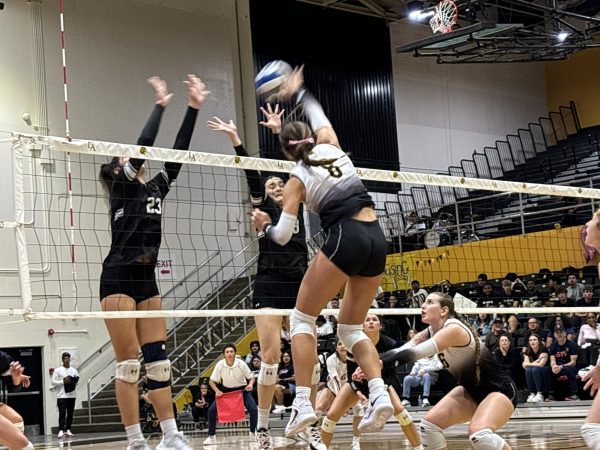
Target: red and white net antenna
{"points": [[69, 172], [446, 14]]}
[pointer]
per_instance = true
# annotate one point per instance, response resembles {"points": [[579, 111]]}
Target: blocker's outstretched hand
{"points": [[273, 117], [197, 91], [161, 93]]}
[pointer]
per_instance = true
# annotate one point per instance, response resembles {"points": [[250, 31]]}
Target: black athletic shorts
{"points": [[481, 391], [356, 248], [272, 290], [137, 281]]}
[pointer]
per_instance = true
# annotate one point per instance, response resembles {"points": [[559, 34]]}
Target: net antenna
{"points": [[445, 16]]}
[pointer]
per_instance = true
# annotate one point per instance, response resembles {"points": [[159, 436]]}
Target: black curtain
{"points": [[348, 67]]}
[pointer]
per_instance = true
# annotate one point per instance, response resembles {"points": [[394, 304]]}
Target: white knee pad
{"points": [[328, 426], [590, 432], [316, 374], [29, 446], [301, 323], [20, 426], [267, 376], [128, 370], [351, 334], [358, 410], [432, 436], [159, 370], [404, 418], [486, 439]]}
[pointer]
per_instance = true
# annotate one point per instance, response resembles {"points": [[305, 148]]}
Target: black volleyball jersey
{"points": [[136, 208], [289, 260], [384, 344]]}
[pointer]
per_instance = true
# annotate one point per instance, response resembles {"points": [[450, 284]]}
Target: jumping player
{"points": [[354, 252], [128, 283]]}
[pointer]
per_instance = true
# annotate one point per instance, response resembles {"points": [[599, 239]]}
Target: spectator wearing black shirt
{"points": [[509, 297], [488, 298], [492, 340], [563, 360], [476, 289], [532, 295], [508, 358], [550, 294], [533, 327], [588, 300]]}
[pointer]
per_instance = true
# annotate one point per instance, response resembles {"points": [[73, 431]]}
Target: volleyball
{"points": [[271, 76]]}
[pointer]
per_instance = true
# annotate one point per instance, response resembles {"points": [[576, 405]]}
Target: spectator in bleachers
{"points": [[514, 329], [424, 372], [324, 328], [201, 403], [559, 321], [476, 289], [255, 369], [411, 334], [509, 297], [535, 359], [482, 324], [508, 357], [533, 328], [563, 360], [562, 298], [333, 304], [589, 331], [492, 340], [550, 294], [532, 295], [286, 383], [588, 298], [574, 288], [416, 296], [254, 351], [488, 298]]}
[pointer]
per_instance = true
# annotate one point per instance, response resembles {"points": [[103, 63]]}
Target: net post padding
{"points": [[20, 239], [445, 16], [237, 162], [214, 313]]}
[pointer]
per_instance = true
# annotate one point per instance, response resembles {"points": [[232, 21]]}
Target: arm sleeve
{"points": [[146, 138], [257, 193], [182, 141], [215, 376], [283, 231], [246, 371]]}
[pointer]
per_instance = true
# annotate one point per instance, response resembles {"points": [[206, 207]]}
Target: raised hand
{"points": [[16, 373], [228, 128], [592, 380], [292, 84], [161, 93], [273, 117], [197, 91], [260, 219]]}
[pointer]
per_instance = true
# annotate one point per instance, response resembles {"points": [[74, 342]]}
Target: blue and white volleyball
{"points": [[271, 76]]}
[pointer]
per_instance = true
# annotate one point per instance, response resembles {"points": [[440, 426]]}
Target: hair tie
{"points": [[308, 140]]}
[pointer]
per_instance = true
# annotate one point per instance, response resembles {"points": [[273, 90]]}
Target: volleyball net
{"points": [[442, 230]]}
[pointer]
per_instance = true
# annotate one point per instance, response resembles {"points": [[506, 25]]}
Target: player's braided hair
{"points": [[446, 300], [106, 171], [291, 132]]}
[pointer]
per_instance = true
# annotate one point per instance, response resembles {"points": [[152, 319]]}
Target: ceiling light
{"points": [[562, 35]]}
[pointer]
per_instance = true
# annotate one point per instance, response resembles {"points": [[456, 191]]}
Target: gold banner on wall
{"points": [[522, 254]]}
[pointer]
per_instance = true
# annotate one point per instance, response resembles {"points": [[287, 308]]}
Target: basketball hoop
{"points": [[444, 17]]}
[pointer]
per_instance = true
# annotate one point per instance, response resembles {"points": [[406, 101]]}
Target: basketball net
{"points": [[445, 17]]}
